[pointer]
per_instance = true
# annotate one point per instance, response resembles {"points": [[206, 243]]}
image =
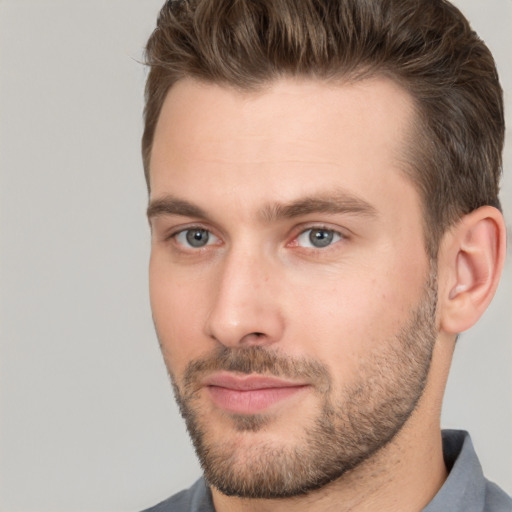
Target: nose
{"points": [[245, 309]]}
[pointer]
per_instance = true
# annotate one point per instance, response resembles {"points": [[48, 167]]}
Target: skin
{"points": [[230, 160]]}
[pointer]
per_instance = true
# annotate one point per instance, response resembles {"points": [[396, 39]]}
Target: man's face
{"points": [[291, 292]]}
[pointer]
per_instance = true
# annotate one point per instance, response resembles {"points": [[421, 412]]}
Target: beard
{"points": [[350, 426]]}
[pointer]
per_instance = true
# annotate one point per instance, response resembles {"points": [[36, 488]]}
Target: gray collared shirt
{"points": [[465, 490]]}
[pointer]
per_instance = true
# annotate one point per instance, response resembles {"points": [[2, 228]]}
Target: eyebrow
{"points": [[170, 205], [338, 202]]}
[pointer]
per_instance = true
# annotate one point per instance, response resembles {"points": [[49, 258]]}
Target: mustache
{"points": [[256, 359]]}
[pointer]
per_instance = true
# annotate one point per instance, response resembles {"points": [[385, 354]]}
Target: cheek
{"points": [[348, 318], [177, 304], [339, 323]]}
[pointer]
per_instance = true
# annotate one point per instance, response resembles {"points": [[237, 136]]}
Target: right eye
{"points": [[195, 238]]}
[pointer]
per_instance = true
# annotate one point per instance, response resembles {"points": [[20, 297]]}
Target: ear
{"points": [[470, 263]]}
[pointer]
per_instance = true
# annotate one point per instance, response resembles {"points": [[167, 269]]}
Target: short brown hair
{"points": [[427, 46]]}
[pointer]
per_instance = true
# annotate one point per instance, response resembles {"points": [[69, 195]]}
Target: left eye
{"points": [[195, 238], [318, 238]]}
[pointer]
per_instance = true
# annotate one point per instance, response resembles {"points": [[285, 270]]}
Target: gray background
{"points": [[87, 418]]}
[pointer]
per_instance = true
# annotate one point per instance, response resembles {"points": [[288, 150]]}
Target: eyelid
{"points": [[170, 234], [181, 239], [303, 228], [191, 227]]}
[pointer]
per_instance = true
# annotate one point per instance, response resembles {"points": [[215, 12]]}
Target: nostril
{"points": [[254, 338]]}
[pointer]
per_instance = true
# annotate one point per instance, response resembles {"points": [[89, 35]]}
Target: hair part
{"points": [[455, 154]]}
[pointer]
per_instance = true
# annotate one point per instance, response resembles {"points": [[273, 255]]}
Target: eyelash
{"points": [[333, 233], [293, 243], [175, 232]]}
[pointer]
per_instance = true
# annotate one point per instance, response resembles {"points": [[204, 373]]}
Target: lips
{"points": [[249, 394]]}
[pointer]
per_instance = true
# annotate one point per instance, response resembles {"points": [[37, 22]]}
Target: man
{"points": [[323, 180]]}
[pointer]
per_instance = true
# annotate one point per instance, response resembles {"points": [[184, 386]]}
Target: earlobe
{"points": [[472, 259]]}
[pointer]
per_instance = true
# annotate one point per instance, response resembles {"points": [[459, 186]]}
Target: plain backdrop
{"points": [[87, 419]]}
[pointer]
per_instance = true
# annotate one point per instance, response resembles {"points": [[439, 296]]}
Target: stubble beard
{"points": [[350, 426]]}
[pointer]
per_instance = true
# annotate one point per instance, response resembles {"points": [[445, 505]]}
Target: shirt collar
{"points": [[464, 489]]}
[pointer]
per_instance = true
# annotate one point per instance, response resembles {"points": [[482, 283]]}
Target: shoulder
{"points": [[466, 489], [496, 500], [195, 499]]}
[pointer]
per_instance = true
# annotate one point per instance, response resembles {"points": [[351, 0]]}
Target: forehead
{"points": [[290, 136]]}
